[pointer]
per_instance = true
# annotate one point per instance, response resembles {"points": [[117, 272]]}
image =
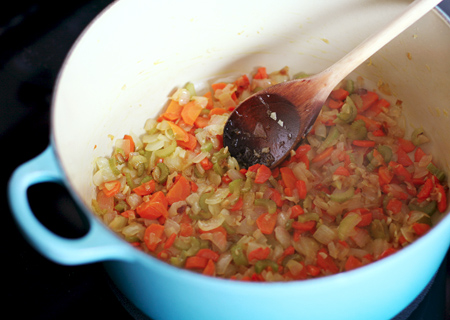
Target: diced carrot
{"points": [[173, 111], [379, 133], [145, 188], [326, 262], [201, 122], [377, 108], [442, 200], [208, 254], [368, 99], [364, 143], [403, 158], [206, 164], [186, 229], [322, 156], [312, 270], [217, 111], [418, 154], [262, 174], [301, 188], [400, 171], [111, 188], [339, 94], [190, 112], [426, 189], [335, 104], [288, 177], [406, 145], [196, 262], [210, 268], [210, 103], [352, 263], [258, 254], [132, 144], [304, 226], [170, 241], [218, 86], [153, 236], [387, 252], [261, 73], [341, 171], [421, 228], [152, 210], [276, 196], [190, 144], [254, 167], [296, 210], [385, 175], [179, 191], [266, 222], [394, 205], [365, 214], [179, 133], [302, 150]]}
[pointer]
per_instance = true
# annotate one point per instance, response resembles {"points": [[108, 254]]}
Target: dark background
{"points": [[35, 36]]}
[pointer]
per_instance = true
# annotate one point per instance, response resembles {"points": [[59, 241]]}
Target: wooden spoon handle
{"points": [[366, 49]]}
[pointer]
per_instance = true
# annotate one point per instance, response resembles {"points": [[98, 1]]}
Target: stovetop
{"points": [[35, 37]]}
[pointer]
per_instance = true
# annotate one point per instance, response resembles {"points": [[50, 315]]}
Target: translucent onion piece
{"points": [[325, 234], [214, 222]]}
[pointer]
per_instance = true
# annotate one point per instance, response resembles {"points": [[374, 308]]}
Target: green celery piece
{"points": [[166, 151], [164, 172], [344, 196], [260, 265], [238, 254], [269, 204]]}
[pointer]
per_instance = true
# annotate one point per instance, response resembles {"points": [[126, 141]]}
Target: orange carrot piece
{"points": [[288, 177], [352, 263], [179, 191], [111, 188], [190, 112], [259, 254], [266, 222], [335, 104], [210, 103], [261, 73], [421, 228], [173, 111], [218, 86], [339, 94], [201, 122], [406, 145], [364, 143], [262, 174], [208, 254], [217, 111], [153, 236], [210, 269], [196, 262], [368, 99], [145, 188], [170, 241], [132, 145], [325, 154], [179, 133], [190, 144]]}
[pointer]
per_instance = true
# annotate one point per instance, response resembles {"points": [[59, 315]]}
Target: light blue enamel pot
{"points": [[122, 69]]}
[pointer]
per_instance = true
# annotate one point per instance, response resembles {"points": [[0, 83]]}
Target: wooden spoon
{"points": [[267, 125]]}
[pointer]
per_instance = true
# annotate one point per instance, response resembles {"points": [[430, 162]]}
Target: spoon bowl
{"points": [[266, 126]]}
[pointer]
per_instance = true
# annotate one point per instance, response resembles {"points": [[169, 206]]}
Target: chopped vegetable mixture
{"points": [[356, 190]]}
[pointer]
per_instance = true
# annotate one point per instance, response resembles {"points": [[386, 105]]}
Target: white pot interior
{"points": [[125, 66]]}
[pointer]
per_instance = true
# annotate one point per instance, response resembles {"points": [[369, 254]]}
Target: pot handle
{"points": [[98, 244]]}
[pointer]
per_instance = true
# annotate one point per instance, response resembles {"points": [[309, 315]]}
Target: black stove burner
{"points": [[34, 40]]}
